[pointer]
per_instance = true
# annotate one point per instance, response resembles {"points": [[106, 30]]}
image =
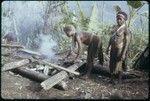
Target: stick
{"points": [[29, 51], [12, 46], [59, 53]]}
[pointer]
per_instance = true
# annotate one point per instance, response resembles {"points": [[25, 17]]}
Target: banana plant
{"points": [[93, 21], [68, 16], [134, 7], [83, 20]]}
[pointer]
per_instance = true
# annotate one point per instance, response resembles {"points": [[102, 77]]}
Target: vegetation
{"points": [[81, 22]]}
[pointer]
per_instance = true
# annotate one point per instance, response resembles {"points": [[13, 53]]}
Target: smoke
{"points": [[47, 45]]}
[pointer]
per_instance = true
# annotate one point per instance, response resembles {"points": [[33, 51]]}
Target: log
{"points": [[12, 46], [16, 64], [59, 67], [31, 74], [35, 76], [97, 69], [49, 83], [104, 70]]}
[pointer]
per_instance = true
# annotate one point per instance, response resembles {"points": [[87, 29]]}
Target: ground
{"points": [[14, 86]]}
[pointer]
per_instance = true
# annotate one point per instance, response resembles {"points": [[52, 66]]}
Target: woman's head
{"points": [[121, 17], [69, 30]]}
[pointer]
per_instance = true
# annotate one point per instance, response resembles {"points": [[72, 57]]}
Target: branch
{"points": [[12, 46]]}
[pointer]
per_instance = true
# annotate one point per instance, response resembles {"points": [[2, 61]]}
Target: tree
{"points": [[134, 7]]}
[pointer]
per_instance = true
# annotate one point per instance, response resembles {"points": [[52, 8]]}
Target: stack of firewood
{"points": [[33, 66]]}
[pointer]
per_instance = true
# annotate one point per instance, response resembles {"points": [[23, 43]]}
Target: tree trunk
{"points": [[15, 28], [46, 16], [104, 70]]}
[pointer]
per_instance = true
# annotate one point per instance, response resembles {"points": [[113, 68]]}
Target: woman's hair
{"points": [[124, 14], [69, 28]]}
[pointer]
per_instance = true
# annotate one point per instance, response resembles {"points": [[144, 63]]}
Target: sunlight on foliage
{"points": [[135, 4], [93, 23]]}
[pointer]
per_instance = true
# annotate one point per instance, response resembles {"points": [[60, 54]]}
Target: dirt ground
{"points": [[14, 86]]}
